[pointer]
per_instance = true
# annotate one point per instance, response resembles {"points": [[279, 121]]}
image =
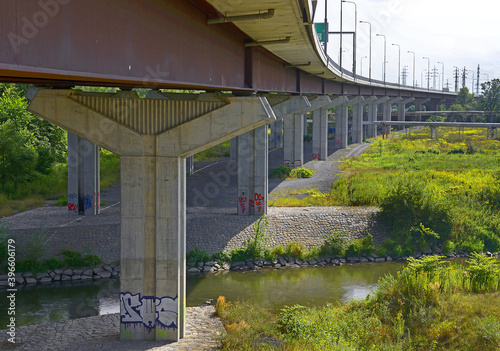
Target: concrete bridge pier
{"points": [[253, 172], [387, 112], [357, 119], [418, 107], [190, 165], [342, 122], [153, 136], [373, 115], [402, 110], [276, 140], [320, 134], [293, 143], [83, 176]]}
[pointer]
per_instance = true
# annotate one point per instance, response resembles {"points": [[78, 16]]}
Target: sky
{"points": [[457, 33]]}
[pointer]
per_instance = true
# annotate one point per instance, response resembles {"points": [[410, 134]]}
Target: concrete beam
{"points": [[293, 142], [337, 102], [241, 115]]}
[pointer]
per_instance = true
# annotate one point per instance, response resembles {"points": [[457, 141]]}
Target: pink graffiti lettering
{"points": [[242, 200], [315, 156], [258, 201], [73, 207]]}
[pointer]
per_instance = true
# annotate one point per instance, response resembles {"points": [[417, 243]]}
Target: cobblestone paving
{"points": [[103, 332]]}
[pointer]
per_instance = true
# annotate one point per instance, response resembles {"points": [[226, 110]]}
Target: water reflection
{"points": [[271, 288]]}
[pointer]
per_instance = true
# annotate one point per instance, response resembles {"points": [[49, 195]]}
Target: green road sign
{"points": [[320, 29]]}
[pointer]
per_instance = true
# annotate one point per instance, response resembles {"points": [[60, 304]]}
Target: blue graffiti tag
{"points": [[89, 201]]}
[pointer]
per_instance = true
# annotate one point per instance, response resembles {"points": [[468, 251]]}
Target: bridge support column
{"points": [[387, 113], [276, 140], [342, 121], [372, 117], [357, 122], [234, 150], [152, 146], [190, 165], [341, 126], [418, 107], [253, 172], [83, 176], [402, 111], [293, 143], [320, 134]]}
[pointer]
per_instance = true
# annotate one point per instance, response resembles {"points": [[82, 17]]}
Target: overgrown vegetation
{"points": [[335, 243], [432, 192], [429, 305], [284, 172], [33, 156]]}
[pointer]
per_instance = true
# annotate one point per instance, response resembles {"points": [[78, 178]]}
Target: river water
{"points": [[274, 288]]}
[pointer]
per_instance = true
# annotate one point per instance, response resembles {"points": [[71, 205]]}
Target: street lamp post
{"points": [[354, 41], [442, 85], [325, 33], [341, 35], [421, 76], [370, 61], [385, 53], [411, 52], [399, 63], [362, 64], [428, 70]]}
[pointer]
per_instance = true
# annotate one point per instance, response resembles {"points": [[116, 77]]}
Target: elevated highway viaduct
{"points": [[256, 62]]}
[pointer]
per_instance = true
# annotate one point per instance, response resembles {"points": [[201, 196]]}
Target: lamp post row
{"points": [[370, 50]]}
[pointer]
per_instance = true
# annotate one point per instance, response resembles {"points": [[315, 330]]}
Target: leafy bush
{"points": [[301, 172], [363, 246], [197, 255], [77, 259], [334, 243], [280, 172], [483, 273], [278, 250], [296, 250]]}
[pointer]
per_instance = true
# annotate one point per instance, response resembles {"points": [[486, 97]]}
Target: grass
{"points": [[215, 152], [429, 305], [453, 184]]}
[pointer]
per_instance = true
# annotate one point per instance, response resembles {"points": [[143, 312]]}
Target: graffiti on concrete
{"points": [[73, 202], [148, 310]]}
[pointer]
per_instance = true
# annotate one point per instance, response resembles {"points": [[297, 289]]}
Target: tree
{"points": [[489, 100], [465, 99]]}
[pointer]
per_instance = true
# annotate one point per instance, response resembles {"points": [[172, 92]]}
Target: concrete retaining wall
{"points": [[210, 229]]}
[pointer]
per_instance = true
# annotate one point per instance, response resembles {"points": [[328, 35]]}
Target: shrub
{"points": [[296, 250], [301, 172], [334, 243], [76, 259], [483, 273], [363, 246], [256, 245], [197, 255], [448, 247], [280, 172], [278, 250]]}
